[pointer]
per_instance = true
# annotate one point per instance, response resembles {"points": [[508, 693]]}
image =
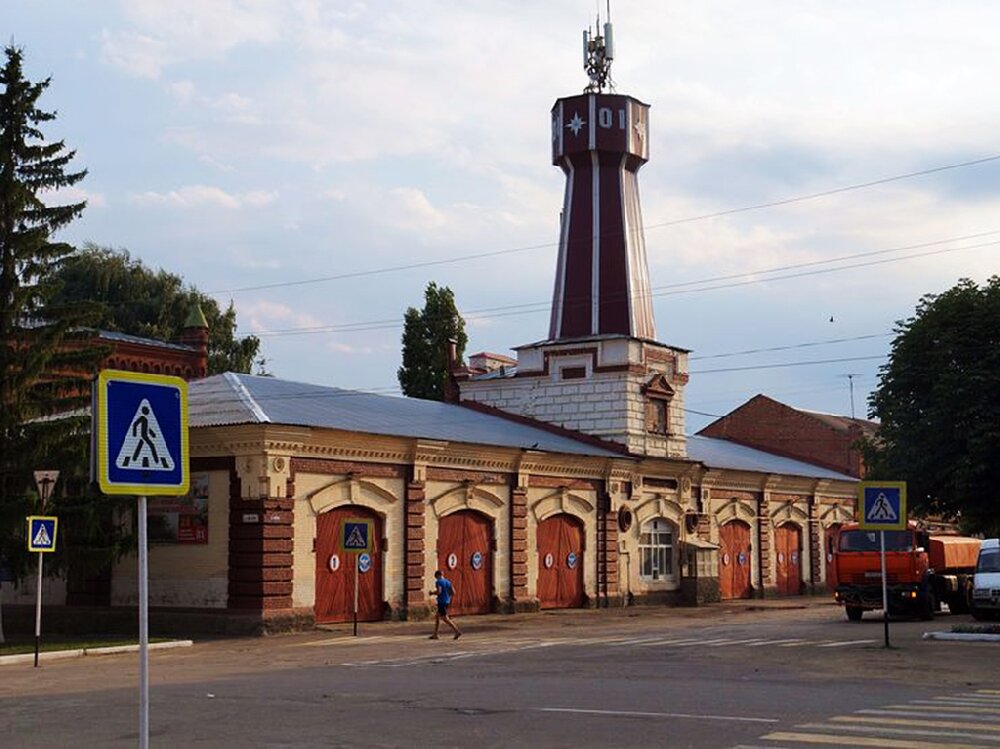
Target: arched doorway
{"points": [[560, 562], [734, 560], [335, 570], [788, 559], [464, 552]]}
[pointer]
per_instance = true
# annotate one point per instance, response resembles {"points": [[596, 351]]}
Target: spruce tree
{"points": [[46, 359], [426, 334]]}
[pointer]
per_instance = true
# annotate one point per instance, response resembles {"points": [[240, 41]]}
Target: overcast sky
{"points": [[249, 143]]}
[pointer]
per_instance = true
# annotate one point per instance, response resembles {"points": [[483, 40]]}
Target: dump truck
{"points": [[923, 571]]}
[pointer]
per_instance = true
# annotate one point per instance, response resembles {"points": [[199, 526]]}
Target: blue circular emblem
{"points": [[571, 559], [477, 560], [364, 562], [742, 558]]}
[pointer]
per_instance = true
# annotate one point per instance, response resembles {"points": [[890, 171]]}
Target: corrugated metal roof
{"points": [[113, 335], [247, 399], [716, 453]]}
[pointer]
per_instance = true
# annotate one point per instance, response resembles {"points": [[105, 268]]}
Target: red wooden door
{"points": [[829, 544], [560, 562], [465, 557], [734, 560], [335, 570], [787, 556]]}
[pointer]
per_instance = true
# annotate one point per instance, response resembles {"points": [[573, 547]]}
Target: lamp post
{"points": [[45, 481]]}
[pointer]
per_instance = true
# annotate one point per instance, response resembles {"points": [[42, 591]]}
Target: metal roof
{"points": [[247, 399], [114, 335], [716, 453]]}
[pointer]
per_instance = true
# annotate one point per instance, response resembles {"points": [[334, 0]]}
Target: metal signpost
{"points": [[140, 441], [882, 507], [356, 537], [42, 539]]}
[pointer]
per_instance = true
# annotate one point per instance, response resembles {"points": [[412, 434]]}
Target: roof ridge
{"points": [[245, 397]]}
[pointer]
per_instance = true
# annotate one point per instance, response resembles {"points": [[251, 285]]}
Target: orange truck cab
{"points": [[922, 571]]}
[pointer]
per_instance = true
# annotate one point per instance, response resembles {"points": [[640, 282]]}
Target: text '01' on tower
{"points": [[600, 140]]}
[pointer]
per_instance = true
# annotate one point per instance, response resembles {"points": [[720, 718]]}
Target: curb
{"points": [[57, 655], [965, 636]]}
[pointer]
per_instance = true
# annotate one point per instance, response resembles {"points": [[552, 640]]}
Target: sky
{"points": [[319, 162]]}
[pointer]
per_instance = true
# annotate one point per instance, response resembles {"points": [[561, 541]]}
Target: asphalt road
{"points": [[724, 676]]}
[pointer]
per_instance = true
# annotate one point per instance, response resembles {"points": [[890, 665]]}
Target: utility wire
{"points": [[675, 222]]}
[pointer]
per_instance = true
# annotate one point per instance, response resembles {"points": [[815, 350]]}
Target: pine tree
{"points": [[426, 334], [45, 358]]}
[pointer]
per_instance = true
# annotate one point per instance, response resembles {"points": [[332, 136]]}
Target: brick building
{"points": [[821, 439]]}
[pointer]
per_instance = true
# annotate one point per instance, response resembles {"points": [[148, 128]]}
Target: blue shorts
{"points": [[443, 608]]}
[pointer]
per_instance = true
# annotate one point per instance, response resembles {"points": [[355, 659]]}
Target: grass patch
{"points": [[977, 629], [19, 645]]}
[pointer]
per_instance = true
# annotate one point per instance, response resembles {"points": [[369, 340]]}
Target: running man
{"points": [[444, 591]]}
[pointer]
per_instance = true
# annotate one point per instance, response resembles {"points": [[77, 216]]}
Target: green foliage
{"points": [[426, 334], [45, 356], [136, 300], [938, 401]]}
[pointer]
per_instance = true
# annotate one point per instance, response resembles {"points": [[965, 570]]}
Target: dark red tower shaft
{"points": [[602, 281]]}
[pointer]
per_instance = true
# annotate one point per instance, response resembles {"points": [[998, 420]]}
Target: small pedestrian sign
{"points": [[42, 533], [141, 433], [356, 535], [882, 505]]}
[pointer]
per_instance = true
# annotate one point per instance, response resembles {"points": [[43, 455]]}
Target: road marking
{"points": [[913, 722], [970, 700], [774, 642], [632, 641], [915, 731], [947, 706], [720, 641], [845, 643], [816, 738], [673, 641], [916, 712], [640, 714], [348, 639]]}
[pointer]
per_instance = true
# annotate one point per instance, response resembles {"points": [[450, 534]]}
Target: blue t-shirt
{"points": [[444, 590]]}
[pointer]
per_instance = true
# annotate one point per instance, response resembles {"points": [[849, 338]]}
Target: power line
{"points": [[787, 364], [669, 289], [675, 222]]}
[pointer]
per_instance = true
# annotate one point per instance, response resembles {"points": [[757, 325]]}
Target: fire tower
{"points": [[601, 370]]}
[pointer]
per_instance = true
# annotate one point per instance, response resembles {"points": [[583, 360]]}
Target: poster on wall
{"points": [[181, 520]]}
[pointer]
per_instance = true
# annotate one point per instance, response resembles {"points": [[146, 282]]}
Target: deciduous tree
{"points": [[938, 402], [426, 334]]}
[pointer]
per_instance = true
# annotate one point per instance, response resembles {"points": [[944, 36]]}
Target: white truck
{"points": [[985, 599]]}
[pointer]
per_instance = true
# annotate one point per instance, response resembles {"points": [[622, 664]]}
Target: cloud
{"points": [[66, 195], [204, 196]]}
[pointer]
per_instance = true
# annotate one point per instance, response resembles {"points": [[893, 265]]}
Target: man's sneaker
{"points": [[457, 635], [433, 637]]}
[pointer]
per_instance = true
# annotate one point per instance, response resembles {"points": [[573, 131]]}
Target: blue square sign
{"points": [[882, 505], [356, 535], [42, 533], [141, 433]]}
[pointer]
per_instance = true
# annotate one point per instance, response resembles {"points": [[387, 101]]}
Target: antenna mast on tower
{"points": [[598, 52]]}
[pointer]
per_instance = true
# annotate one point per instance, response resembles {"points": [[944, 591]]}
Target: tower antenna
{"points": [[850, 379], [598, 52]]}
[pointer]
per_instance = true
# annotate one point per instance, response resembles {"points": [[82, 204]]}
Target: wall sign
{"points": [[477, 560], [571, 559], [334, 562], [364, 562], [548, 561], [452, 561]]}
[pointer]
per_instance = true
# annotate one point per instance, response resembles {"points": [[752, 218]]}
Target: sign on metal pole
{"points": [[882, 505], [42, 533], [356, 535], [141, 429], [140, 445]]}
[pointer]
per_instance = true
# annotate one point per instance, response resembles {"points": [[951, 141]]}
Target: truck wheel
{"points": [[927, 607], [854, 613]]}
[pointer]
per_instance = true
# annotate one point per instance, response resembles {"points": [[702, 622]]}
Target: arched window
{"points": [[656, 550]]}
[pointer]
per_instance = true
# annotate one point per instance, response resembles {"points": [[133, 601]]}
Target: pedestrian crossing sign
{"points": [[140, 431], [356, 535], [882, 505], [42, 533]]}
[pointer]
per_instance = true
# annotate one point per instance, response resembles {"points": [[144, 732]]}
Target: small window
{"points": [[656, 550], [657, 416], [574, 373]]}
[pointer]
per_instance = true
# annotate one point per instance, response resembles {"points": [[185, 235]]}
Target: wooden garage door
{"points": [[788, 559], [335, 570], [560, 562], [465, 558], [734, 560]]}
